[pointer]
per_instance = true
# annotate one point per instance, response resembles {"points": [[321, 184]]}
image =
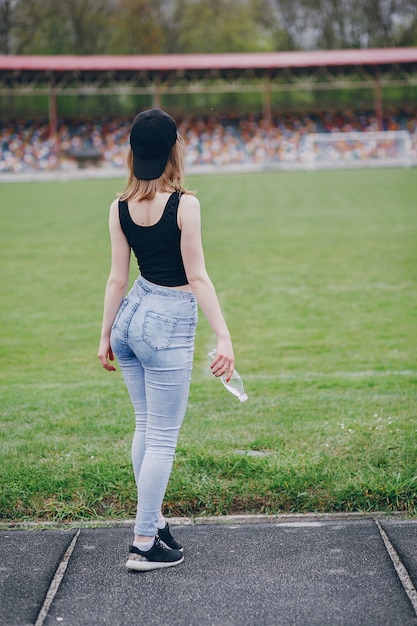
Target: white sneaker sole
{"points": [[144, 566]]}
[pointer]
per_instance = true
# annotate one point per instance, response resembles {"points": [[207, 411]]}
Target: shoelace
{"points": [[159, 545]]}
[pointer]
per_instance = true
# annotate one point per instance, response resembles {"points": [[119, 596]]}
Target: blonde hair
{"points": [[170, 180]]}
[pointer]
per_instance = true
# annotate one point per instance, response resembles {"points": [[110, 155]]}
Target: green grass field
{"points": [[316, 273]]}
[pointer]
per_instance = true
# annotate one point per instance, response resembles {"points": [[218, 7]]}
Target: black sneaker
{"points": [[166, 538], [157, 557]]}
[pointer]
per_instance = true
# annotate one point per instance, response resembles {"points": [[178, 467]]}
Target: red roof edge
{"points": [[172, 62]]}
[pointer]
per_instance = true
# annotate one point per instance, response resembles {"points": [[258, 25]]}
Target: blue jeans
{"points": [[153, 340]]}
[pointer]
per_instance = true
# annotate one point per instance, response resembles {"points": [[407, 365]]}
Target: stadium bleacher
{"points": [[211, 140]]}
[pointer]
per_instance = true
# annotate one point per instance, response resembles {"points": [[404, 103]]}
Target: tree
{"points": [[348, 23], [223, 25], [49, 27], [88, 25], [7, 22], [170, 26], [137, 27]]}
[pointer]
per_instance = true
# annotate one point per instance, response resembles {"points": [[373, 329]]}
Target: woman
{"points": [[152, 330]]}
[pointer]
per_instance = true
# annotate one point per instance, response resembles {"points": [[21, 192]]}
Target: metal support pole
{"points": [[378, 100], [156, 100], [267, 102], [53, 117]]}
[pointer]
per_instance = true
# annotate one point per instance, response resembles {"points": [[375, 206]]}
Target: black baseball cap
{"points": [[152, 136]]}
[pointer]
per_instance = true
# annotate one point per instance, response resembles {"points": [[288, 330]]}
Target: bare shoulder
{"points": [[114, 209], [189, 202], [114, 220], [188, 211], [114, 206]]}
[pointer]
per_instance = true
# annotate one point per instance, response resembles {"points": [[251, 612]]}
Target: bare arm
{"points": [[201, 285], [116, 285]]}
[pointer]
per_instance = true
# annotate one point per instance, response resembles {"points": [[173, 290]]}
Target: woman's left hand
{"points": [[105, 354]]}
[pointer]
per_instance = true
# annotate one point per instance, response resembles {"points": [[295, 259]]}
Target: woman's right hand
{"points": [[224, 361]]}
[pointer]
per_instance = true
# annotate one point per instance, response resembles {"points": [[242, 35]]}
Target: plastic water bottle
{"points": [[235, 384]]}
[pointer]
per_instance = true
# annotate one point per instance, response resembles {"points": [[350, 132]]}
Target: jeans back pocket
{"points": [[158, 330]]}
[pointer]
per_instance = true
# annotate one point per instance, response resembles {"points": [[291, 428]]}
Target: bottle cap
{"points": [[243, 397]]}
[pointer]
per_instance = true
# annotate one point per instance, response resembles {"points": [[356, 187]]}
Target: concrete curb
{"points": [[221, 519]]}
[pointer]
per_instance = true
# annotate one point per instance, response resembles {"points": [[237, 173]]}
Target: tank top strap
{"points": [[124, 214], [173, 201]]}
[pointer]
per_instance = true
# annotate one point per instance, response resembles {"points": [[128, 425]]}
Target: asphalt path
{"points": [[360, 572]]}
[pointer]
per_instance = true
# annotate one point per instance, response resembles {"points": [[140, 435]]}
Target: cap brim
{"points": [[149, 169]]}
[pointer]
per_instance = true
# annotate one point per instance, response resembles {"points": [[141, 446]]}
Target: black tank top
{"points": [[157, 247]]}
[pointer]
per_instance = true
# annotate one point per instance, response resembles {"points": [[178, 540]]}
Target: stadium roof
{"points": [[184, 62], [157, 76]]}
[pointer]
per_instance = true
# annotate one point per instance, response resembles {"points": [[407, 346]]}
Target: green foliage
{"points": [[137, 27], [192, 26], [223, 26], [325, 24], [49, 27], [316, 273]]}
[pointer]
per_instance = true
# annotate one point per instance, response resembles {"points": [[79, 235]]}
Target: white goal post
{"points": [[357, 149]]}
